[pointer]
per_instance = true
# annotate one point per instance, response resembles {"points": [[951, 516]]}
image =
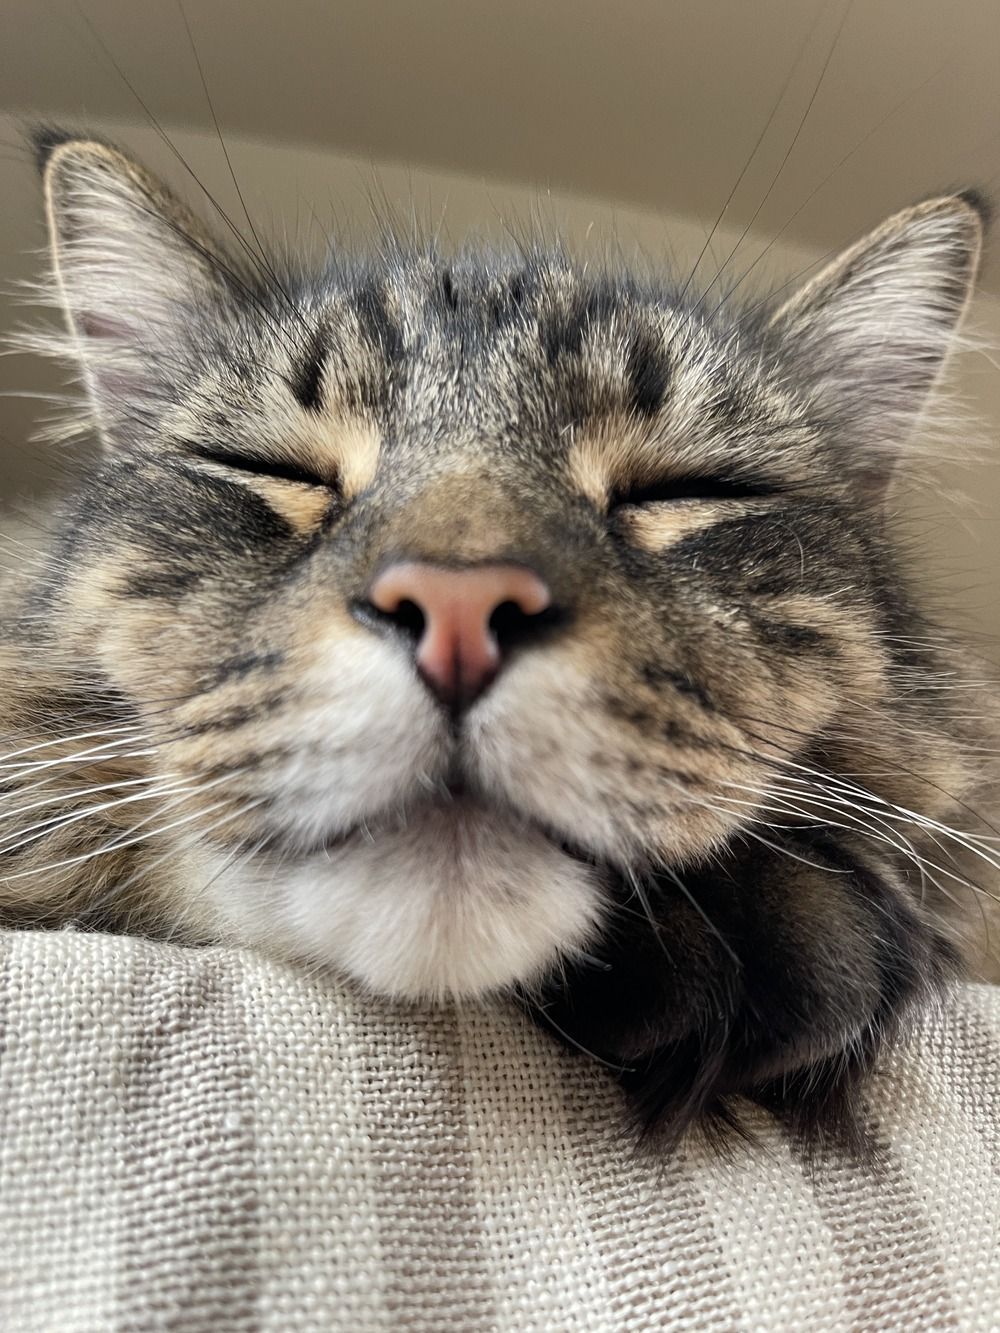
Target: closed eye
{"points": [[690, 488], [278, 469]]}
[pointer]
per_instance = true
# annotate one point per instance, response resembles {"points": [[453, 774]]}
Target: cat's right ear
{"points": [[140, 281], [868, 336]]}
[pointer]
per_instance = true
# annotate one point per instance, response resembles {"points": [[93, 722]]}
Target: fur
{"points": [[709, 822]]}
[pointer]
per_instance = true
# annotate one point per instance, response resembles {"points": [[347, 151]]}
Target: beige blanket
{"points": [[203, 1140]]}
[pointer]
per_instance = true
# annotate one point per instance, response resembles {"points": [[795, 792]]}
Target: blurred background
{"points": [[625, 125]]}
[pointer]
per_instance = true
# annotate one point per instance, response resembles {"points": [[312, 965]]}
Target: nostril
{"points": [[508, 624], [512, 626], [460, 623], [405, 616], [409, 618]]}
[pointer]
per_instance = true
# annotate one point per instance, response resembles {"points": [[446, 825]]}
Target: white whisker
{"points": [[128, 733], [61, 797], [45, 827], [129, 841]]}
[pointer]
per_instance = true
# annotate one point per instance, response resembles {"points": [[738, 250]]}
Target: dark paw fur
{"points": [[767, 980]]}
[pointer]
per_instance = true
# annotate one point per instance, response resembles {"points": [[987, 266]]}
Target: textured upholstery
{"points": [[205, 1140]]}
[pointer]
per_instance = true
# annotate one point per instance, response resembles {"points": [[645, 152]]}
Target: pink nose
{"points": [[458, 651]]}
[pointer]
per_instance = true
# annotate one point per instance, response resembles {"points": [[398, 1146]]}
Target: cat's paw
{"points": [[774, 980]]}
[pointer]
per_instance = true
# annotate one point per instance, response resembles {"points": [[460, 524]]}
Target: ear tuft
{"points": [[980, 203], [45, 139]]}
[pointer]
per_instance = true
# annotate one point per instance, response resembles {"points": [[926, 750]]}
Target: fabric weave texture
{"points": [[205, 1141]]}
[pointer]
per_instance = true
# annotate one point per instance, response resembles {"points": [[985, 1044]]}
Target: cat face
{"points": [[489, 606]]}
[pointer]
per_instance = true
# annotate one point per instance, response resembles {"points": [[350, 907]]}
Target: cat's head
{"points": [[503, 613]]}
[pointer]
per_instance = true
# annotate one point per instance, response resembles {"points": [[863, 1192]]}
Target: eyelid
{"points": [[696, 488], [277, 469]]}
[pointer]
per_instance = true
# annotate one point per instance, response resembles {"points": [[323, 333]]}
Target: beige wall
{"points": [[641, 114]]}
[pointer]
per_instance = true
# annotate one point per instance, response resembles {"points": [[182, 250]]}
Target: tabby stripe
{"points": [[234, 718], [237, 667]]}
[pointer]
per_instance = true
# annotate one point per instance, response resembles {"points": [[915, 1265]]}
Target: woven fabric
{"points": [[205, 1140]]}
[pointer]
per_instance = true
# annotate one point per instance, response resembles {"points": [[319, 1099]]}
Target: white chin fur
{"points": [[461, 902]]}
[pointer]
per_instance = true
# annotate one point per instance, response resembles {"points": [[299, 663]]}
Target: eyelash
{"points": [[690, 488], [264, 467]]}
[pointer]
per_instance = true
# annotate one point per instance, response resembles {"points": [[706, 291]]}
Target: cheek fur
{"points": [[629, 773], [339, 732]]}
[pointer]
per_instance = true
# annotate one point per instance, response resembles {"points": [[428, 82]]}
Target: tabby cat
{"points": [[492, 625]]}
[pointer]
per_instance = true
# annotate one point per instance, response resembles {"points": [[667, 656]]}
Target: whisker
{"points": [[749, 161], [91, 756], [600, 1059], [640, 893], [72, 795], [66, 740], [679, 883], [129, 841], [100, 903], [56, 823], [263, 259], [851, 152], [791, 147], [891, 837]]}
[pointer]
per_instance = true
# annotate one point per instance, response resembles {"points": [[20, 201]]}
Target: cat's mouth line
{"points": [[456, 795]]}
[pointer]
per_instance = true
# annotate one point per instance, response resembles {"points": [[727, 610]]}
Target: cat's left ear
{"points": [[869, 334], [145, 289]]}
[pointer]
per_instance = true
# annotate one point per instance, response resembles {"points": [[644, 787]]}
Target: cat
{"points": [[491, 626]]}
